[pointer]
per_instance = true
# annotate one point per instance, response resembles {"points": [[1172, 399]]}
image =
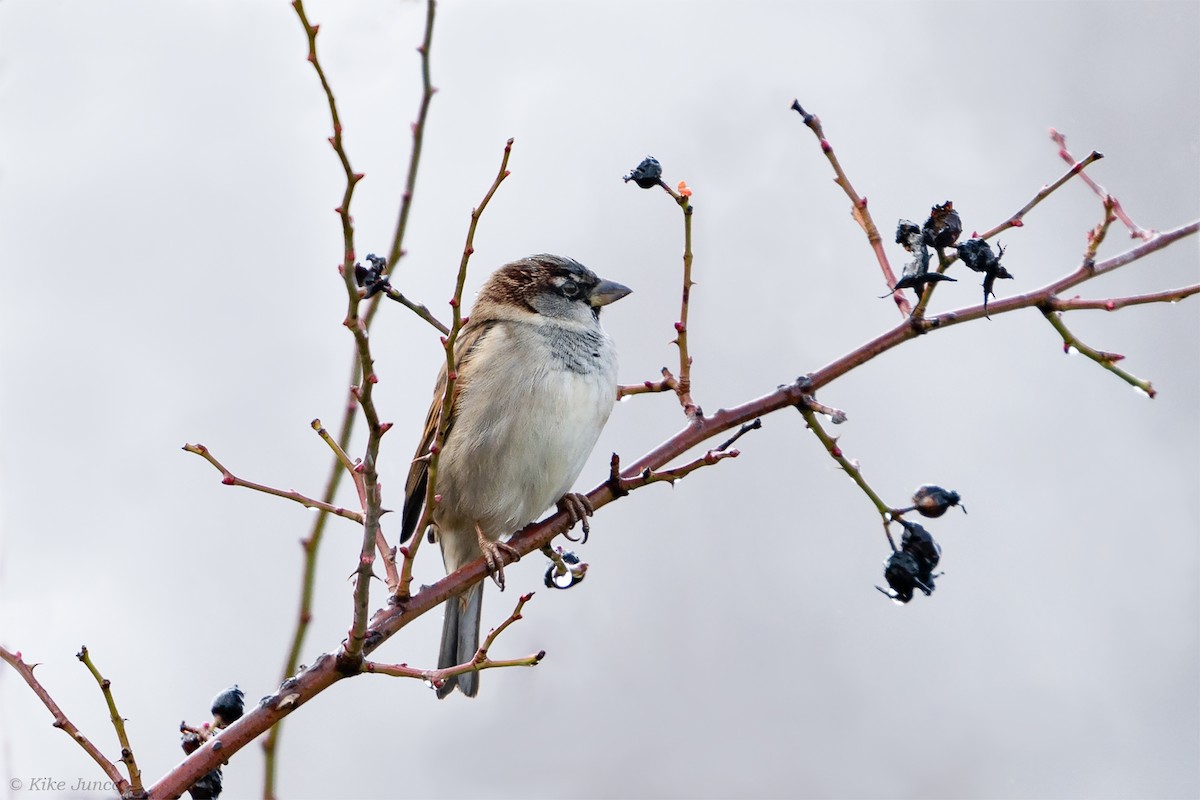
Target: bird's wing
{"points": [[416, 486]]}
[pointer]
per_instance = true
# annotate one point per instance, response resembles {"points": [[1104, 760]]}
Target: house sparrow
{"points": [[537, 378]]}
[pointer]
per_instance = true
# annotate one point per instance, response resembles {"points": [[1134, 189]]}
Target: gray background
{"points": [[169, 254]]}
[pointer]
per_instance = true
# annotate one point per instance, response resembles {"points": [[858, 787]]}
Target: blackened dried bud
{"points": [[647, 174], [978, 255], [228, 706], [932, 501], [943, 227], [372, 278], [916, 272], [208, 787], [908, 234], [918, 543], [901, 573]]}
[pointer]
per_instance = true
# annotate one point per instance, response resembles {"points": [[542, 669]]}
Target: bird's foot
{"points": [[578, 508], [494, 553]]}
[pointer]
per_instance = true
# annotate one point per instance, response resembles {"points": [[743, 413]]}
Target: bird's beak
{"points": [[607, 292]]}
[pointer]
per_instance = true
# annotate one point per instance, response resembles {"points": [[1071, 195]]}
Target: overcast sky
{"points": [[169, 253]]}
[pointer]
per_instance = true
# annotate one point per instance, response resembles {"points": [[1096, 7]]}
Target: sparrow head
{"points": [[551, 286]]}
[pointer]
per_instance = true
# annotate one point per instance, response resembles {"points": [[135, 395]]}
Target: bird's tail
{"points": [[460, 639]]}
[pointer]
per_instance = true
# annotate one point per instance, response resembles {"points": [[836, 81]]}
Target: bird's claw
{"points": [[493, 554], [578, 508]]}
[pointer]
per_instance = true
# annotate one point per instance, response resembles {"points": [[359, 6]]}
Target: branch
{"points": [[858, 209], [1106, 360], [60, 719], [118, 722]]}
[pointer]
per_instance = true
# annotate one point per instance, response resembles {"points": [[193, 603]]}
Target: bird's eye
{"points": [[569, 289]]}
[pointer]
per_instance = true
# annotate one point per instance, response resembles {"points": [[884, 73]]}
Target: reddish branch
{"points": [[388, 621]]}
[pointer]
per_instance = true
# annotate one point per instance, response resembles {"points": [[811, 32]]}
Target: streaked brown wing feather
{"points": [[417, 484]]}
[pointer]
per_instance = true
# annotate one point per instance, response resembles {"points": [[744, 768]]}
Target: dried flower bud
{"points": [[647, 174], [943, 227], [900, 572]]}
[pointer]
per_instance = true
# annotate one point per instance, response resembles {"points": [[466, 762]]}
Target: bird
{"points": [[536, 381]]}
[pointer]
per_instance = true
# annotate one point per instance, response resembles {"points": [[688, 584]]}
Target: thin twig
{"points": [[396, 251], [61, 721], [1135, 230], [417, 308], [1106, 360], [805, 407], [858, 207], [437, 677], [1017, 220], [229, 479], [448, 342], [118, 722], [1115, 303], [667, 384]]}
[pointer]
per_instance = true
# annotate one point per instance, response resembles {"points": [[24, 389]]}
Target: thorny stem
{"points": [[859, 207], [684, 382], [1106, 360], [118, 722], [448, 342], [1135, 231], [229, 479], [61, 721]]}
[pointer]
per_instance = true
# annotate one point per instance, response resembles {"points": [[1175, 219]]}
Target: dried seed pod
{"points": [[932, 501]]}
